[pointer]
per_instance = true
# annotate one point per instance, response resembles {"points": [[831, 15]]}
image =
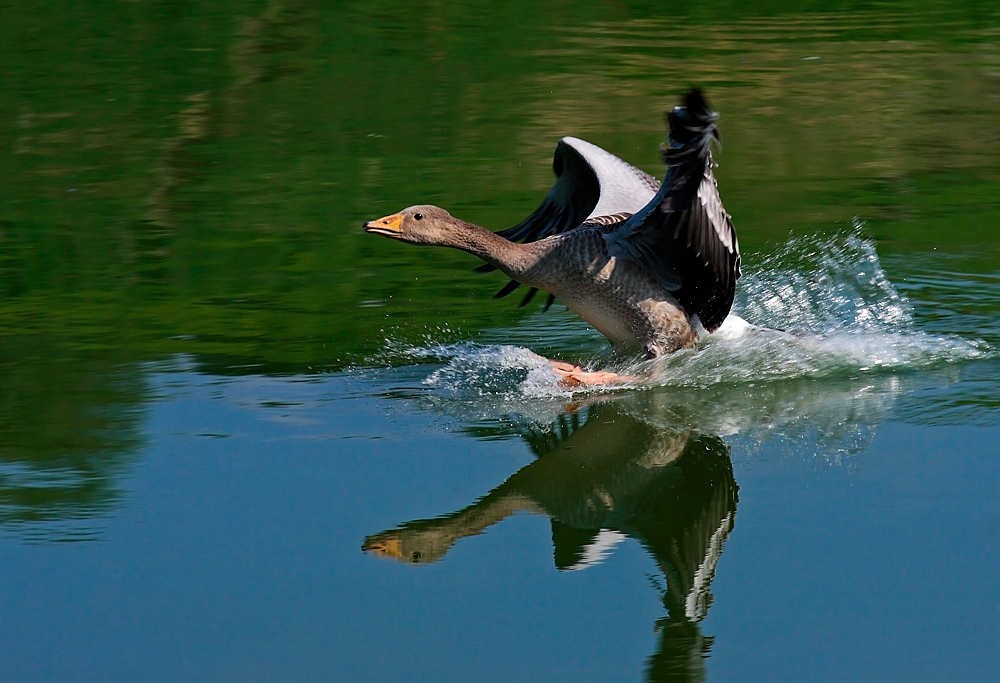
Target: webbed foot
{"points": [[574, 376]]}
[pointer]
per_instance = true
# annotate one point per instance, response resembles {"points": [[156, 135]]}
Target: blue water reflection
{"points": [[235, 554], [601, 480]]}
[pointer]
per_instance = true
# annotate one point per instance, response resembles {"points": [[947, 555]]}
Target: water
{"points": [[242, 440]]}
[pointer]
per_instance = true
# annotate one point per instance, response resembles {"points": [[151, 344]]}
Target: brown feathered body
{"points": [[616, 296]]}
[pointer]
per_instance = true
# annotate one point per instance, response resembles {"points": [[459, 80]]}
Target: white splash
{"points": [[815, 307]]}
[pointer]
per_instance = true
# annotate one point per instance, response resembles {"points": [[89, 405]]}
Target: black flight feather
{"points": [[684, 238]]}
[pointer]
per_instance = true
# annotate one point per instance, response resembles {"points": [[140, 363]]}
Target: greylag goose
{"points": [[643, 262]]}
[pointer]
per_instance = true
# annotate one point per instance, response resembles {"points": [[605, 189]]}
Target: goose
{"points": [[648, 264]]}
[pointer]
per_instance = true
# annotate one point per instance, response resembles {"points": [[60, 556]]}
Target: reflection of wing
{"points": [[591, 183], [686, 536], [575, 548], [684, 238]]}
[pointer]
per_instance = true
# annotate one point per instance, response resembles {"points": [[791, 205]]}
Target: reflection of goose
{"points": [[611, 478], [636, 259]]}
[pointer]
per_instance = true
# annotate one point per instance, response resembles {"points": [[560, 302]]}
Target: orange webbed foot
{"points": [[574, 376]]}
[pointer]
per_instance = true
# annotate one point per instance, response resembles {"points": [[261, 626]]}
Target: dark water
{"points": [[242, 440]]}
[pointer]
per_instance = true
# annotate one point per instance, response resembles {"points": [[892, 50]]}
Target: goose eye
{"points": [[418, 216]]}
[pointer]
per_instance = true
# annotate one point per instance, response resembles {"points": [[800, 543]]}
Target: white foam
{"points": [[732, 327], [493, 369]]}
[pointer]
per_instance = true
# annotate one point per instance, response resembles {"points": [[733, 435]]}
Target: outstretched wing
{"points": [[684, 238], [590, 183]]}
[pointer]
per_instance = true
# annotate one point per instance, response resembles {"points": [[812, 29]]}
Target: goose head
{"points": [[421, 224]]}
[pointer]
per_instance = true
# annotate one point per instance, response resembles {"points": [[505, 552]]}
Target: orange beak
{"points": [[387, 547], [388, 226]]}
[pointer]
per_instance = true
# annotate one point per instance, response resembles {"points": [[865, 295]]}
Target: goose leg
{"points": [[574, 376]]}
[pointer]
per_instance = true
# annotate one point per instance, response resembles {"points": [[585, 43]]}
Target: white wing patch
{"points": [[708, 193], [624, 188]]}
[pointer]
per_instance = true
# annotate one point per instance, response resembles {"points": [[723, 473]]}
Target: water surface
{"points": [[242, 440]]}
